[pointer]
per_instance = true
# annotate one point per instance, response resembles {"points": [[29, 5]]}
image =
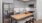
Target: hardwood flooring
{"points": [[39, 21]]}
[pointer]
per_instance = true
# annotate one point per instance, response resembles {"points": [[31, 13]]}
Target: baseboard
{"points": [[38, 19]]}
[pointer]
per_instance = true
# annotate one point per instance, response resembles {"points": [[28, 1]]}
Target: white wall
{"points": [[18, 4], [39, 9], [30, 2], [7, 1], [0, 11]]}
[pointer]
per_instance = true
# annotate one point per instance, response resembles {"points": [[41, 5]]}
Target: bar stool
{"points": [[30, 21], [24, 21]]}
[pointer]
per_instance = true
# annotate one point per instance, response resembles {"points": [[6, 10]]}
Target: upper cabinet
{"points": [[8, 1]]}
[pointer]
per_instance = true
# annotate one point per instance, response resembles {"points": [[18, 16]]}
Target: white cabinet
{"points": [[8, 1], [30, 9], [16, 10]]}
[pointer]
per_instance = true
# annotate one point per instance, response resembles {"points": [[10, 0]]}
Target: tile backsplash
{"points": [[22, 9]]}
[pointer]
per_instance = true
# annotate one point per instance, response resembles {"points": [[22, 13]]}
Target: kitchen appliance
{"points": [[31, 5]]}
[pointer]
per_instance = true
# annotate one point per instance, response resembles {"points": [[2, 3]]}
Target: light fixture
{"points": [[25, 0]]}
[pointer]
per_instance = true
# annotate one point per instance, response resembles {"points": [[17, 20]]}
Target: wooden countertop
{"points": [[20, 16]]}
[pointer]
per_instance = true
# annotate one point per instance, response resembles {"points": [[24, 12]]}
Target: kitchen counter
{"points": [[21, 16]]}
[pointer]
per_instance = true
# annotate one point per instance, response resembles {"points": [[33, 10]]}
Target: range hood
{"points": [[25, 0]]}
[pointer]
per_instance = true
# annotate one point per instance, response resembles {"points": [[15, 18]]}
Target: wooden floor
{"points": [[40, 21]]}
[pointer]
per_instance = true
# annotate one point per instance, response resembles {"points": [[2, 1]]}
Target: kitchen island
{"points": [[20, 17]]}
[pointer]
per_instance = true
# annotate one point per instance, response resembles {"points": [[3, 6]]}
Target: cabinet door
{"points": [[8, 1]]}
